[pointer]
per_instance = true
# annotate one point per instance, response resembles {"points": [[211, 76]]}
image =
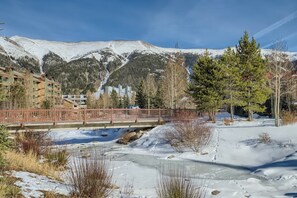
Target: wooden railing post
{"points": [[159, 116], [23, 118], [136, 119], [111, 116], [54, 116], [85, 117]]}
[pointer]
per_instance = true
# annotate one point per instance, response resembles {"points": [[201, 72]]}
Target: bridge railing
{"points": [[23, 116]]}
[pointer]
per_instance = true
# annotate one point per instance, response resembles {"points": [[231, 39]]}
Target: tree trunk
{"points": [[231, 109]]}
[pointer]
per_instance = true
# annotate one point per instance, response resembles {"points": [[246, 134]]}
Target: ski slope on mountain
{"points": [[17, 46]]}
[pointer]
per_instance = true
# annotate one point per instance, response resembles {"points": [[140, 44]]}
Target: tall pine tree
{"points": [[158, 101], [140, 95], [229, 63], [206, 85], [114, 99], [253, 75]]}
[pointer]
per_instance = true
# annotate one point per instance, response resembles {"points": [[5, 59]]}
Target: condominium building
{"points": [[37, 89], [120, 90], [79, 100]]}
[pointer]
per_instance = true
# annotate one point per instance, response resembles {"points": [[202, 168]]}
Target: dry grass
{"points": [[192, 134], [36, 142], [50, 194], [30, 163], [58, 159], [127, 190], [90, 178], [7, 188], [178, 185], [264, 138], [288, 118], [227, 121]]}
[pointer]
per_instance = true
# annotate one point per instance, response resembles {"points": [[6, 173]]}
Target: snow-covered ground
{"points": [[234, 163]]}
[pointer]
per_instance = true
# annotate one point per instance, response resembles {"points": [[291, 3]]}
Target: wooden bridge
{"points": [[48, 119]]}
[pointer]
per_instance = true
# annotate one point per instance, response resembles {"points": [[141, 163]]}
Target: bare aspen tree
{"points": [[29, 89], [174, 82], [282, 79], [150, 89]]}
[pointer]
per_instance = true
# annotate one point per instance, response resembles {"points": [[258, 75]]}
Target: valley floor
{"points": [[235, 163]]}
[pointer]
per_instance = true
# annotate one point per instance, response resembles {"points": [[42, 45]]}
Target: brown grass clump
{"points": [[288, 118], [50, 194], [90, 178], [227, 121], [36, 142], [7, 188], [30, 163], [58, 159], [192, 134], [178, 185], [264, 138], [127, 190]]}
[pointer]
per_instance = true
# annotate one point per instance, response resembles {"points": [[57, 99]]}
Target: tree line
{"points": [[241, 79]]}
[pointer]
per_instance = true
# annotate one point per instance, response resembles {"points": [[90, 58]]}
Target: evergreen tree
{"points": [[140, 95], [120, 103], [126, 101], [253, 73], [206, 85], [114, 99], [229, 63], [158, 101]]}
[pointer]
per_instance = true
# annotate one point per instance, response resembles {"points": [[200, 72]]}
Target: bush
{"points": [[192, 134], [264, 138], [36, 142], [178, 185], [288, 118], [4, 144], [89, 178]]}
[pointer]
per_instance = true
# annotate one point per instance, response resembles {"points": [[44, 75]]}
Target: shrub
{"points": [[178, 185], [4, 144], [192, 134], [36, 142], [264, 138], [288, 118], [89, 178]]}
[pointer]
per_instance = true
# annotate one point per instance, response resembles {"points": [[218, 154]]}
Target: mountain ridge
{"points": [[83, 66]]}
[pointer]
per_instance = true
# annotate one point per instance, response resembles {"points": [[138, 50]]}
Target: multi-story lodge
{"points": [[38, 88]]}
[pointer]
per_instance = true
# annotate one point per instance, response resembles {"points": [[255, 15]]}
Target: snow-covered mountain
{"points": [[71, 63]]}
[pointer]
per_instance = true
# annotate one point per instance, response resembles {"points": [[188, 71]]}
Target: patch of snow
{"points": [[32, 184]]}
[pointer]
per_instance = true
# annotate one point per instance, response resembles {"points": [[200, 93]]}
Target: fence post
{"points": [[136, 119], [23, 118], [85, 117], [159, 116], [54, 116], [111, 116]]}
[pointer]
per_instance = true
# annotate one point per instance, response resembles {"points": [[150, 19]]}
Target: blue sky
{"points": [[191, 23]]}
